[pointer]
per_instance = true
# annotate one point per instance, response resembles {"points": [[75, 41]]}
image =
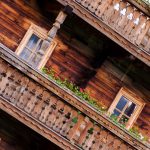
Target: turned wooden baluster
{"points": [[86, 3], [62, 119], [96, 143], [116, 144], [27, 94], [91, 140], [93, 5], [110, 10], [125, 19], [16, 93], [137, 30], [132, 23], [22, 83], [68, 123], [103, 139], [148, 32], [48, 109], [79, 1], [74, 128], [50, 122], [4, 73], [78, 133], [5, 78], [129, 148], [123, 146], [3, 69], [87, 131], [37, 96], [102, 7], [147, 46], [143, 32], [119, 10], [41, 104], [12, 84], [107, 145]]}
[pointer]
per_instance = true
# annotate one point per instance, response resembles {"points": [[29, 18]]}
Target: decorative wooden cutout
{"points": [[48, 109], [19, 90], [37, 96], [41, 104], [93, 5], [102, 7], [68, 124], [27, 94], [62, 118], [54, 114]]}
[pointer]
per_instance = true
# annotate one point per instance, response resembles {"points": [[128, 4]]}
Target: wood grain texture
{"points": [[15, 19]]}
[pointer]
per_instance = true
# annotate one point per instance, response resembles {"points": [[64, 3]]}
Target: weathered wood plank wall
{"points": [[15, 19]]}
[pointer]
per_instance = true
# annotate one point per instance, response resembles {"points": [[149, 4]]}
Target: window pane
{"points": [[39, 46], [35, 60], [122, 102], [129, 110], [32, 41], [25, 54], [116, 113]]}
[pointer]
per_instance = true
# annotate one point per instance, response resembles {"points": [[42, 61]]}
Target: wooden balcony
{"points": [[54, 112], [120, 21]]}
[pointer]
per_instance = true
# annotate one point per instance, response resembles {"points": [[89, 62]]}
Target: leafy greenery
{"points": [[90, 131], [75, 120], [79, 92]]}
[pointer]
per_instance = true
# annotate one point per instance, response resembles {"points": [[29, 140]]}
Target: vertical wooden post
{"points": [[56, 26]]}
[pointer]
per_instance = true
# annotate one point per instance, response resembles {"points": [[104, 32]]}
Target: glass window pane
{"points": [[35, 60], [25, 54], [130, 108], [116, 113], [39, 46], [122, 102], [32, 41]]}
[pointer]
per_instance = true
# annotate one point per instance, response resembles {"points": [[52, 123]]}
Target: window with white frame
{"points": [[126, 107], [30, 48]]}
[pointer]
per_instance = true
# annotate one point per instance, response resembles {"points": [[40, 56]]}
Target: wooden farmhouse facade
{"points": [[76, 72]]}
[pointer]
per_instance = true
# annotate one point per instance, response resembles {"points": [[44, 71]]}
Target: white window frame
{"points": [[41, 33], [138, 101]]}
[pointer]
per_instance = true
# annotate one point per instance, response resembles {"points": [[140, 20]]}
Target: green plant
{"points": [[75, 120], [72, 87], [90, 131], [92, 102], [114, 117]]}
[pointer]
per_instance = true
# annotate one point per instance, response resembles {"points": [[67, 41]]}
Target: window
{"points": [[126, 107], [30, 48]]}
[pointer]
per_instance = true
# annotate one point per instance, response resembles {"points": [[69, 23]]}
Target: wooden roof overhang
{"points": [[7, 55], [137, 50]]}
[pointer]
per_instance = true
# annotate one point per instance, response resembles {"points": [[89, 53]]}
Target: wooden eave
{"points": [[101, 26], [67, 96]]}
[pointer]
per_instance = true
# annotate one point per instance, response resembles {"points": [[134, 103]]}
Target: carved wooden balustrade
{"points": [[53, 112], [46, 107], [123, 18]]}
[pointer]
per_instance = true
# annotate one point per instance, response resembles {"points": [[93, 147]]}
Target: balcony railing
{"points": [[123, 18], [34, 100], [32, 95]]}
